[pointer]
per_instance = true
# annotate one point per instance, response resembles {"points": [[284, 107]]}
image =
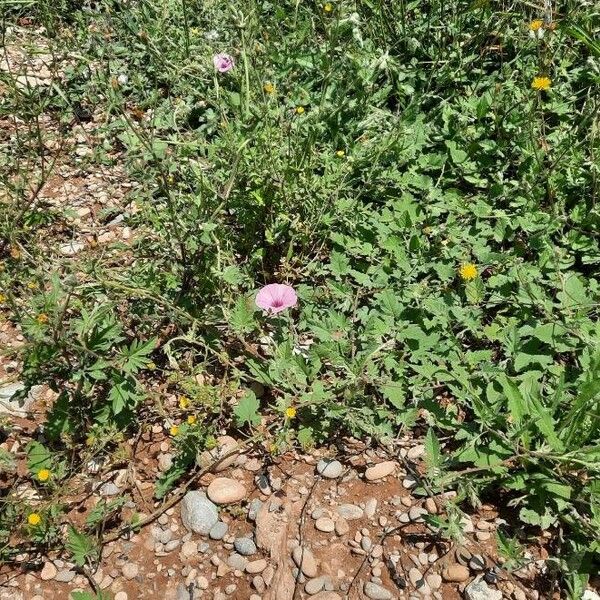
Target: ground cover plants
{"points": [[424, 176]]}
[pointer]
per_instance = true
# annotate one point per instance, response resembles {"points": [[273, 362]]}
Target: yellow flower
{"points": [[15, 253], [174, 430], [170, 179], [32, 285], [184, 402], [43, 474], [151, 366], [34, 519], [536, 24], [2, 298], [269, 88], [300, 110], [290, 412], [468, 271], [340, 154], [541, 83], [42, 318], [191, 420], [327, 7]]}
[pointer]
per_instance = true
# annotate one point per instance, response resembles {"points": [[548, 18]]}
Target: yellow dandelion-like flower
{"points": [[541, 84], [32, 285], [273, 448], [170, 179], [43, 475], [174, 430], [340, 154], [290, 412], [269, 88], [15, 253], [536, 24], [42, 318], [468, 271], [151, 366], [184, 402], [191, 420], [328, 7], [299, 110], [2, 298], [34, 519]]}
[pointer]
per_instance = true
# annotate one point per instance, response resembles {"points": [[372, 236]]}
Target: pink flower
{"points": [[223, 62], [276, 297]]}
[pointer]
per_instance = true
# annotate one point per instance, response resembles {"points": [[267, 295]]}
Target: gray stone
{"points": [[325, 524], [244, 546], [17, 406], [182, 593], [109, 489], [218, 531], [314, 586], [350, 511], [253, 508], [237, 562], [478, 589], [416, 514], [198, 513], [376, 592], [65, 576], [330, 469], [71, 249], [370, 508]]}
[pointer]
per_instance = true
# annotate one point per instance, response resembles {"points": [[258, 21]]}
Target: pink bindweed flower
{"points": [[223, 62], [276, 297]]}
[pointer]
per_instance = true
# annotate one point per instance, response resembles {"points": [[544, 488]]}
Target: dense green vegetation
{"points": [[425, 174]]}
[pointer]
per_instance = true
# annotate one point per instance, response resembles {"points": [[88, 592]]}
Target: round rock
{"points": [[218, 531], [376, 592], [325, 524], [224, 490], [455, 573], [198, 513], [130, 570], [48, 572], [244, 546], [350, 511], [330, 469], [305, 561], [256, 566], [380, 470]]}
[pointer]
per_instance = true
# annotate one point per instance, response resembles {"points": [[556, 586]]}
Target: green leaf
{"points": [[82, 547], [246, 410], [475, 291], [433, 454], [123, 394], [90, 596], [103, 510], [394, 394], [241, 318], [135, 357], [38, 457]]}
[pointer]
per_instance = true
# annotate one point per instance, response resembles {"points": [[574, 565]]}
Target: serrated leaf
{"points": [[241, 318], [246, 410], [82, 547]]}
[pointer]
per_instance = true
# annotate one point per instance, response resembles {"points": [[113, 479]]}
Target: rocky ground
{"points": [[296, 526], [343, 523]]}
